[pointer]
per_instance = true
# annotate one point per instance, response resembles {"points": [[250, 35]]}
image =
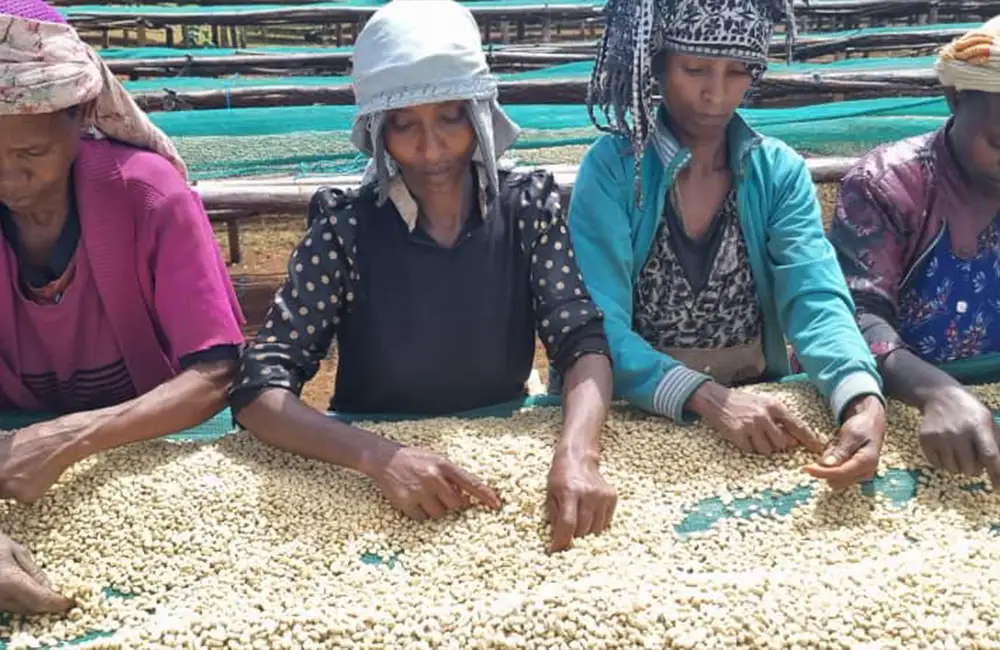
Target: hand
{"points": [[33, 458], [425, 485], [854, 454], [754, 423], [24, 589], [958, 434], [580, 501]]}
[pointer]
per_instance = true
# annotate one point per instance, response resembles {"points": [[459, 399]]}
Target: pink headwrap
{"points": [[46, 68]]}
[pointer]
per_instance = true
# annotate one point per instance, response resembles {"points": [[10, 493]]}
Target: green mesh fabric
{"points": [[127, 53], [579, 71], [302, 140], [212, 429]]}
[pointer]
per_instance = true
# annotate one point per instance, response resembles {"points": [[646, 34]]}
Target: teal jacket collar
{"points": [[741, 138]]}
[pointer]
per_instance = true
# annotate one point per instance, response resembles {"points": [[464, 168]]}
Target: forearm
{"points": [[279, 418], [708, 400], [912, 380], [586, 398], [185, 401]]}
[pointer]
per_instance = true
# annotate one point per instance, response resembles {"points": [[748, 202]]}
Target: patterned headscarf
{"points": [[46, 68], [972, 62], [623, 80]]}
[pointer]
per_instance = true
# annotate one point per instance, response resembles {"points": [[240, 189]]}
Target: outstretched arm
{"points": [[32, 459], [580, 501], [957, 432], [286, 353], [817, 311], [195, 310]]}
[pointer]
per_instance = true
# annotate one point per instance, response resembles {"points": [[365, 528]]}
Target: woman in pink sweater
{"points": [[116, 309]]}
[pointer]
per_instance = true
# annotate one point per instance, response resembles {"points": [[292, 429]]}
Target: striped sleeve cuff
{"points": [[851, 387], [675, 389]]}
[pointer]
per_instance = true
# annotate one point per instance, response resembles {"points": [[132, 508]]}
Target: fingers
{"points": [[36, 599], [759, 442], [947, 455], [472, 485], [609, 516], [26, 590], [776, 429], [931, 452], [966, 459], [775, 436], [413, 511], [966, 450], [27, 563], [435, 501], [742, 442], [432, 505], [799, 430], [576, 513], [448, 494], [602, 517], [852, 457], [988, 451], [839, 453], [564, 518], [860, 465], [586, 513]]}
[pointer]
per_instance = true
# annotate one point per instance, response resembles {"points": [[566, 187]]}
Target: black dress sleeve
{"points": [[302, 322], [569, 324]]}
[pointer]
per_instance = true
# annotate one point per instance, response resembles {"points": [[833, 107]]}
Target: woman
{"points": [[702, 241], [917, 231], [432, 278], [115, 305]]}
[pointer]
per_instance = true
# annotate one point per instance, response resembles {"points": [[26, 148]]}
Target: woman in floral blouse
{"points": [[433, 279], [917, 232]]}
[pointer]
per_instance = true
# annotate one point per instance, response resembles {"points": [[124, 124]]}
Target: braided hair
{"points": [[623, 81]]}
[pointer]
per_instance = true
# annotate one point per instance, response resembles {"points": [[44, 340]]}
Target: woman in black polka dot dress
{"points": [[433, 278]]}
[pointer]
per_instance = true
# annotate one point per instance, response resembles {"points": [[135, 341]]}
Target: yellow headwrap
{"points": [[972, 62]]}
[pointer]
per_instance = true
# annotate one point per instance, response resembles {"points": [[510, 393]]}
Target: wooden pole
{"points": [[869, 9], [246, 197], [233, 201], [233, 235], [330, 63], [514, 57], [775, 90]]}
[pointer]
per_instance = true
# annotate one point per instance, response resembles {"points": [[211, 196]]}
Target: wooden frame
{"points": [[232, 201]]}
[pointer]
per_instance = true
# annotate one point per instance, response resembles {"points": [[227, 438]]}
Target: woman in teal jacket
{"points": [[703, 242]]}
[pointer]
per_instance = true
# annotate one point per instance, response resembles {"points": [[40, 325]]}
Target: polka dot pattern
{"points": [[301, 324], [563, 308], [323, 278]]}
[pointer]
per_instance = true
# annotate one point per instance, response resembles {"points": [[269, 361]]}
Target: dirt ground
{"points": [[266, 244]]}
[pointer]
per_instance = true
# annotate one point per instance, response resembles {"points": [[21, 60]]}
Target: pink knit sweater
{"points": [[152, 284]]}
